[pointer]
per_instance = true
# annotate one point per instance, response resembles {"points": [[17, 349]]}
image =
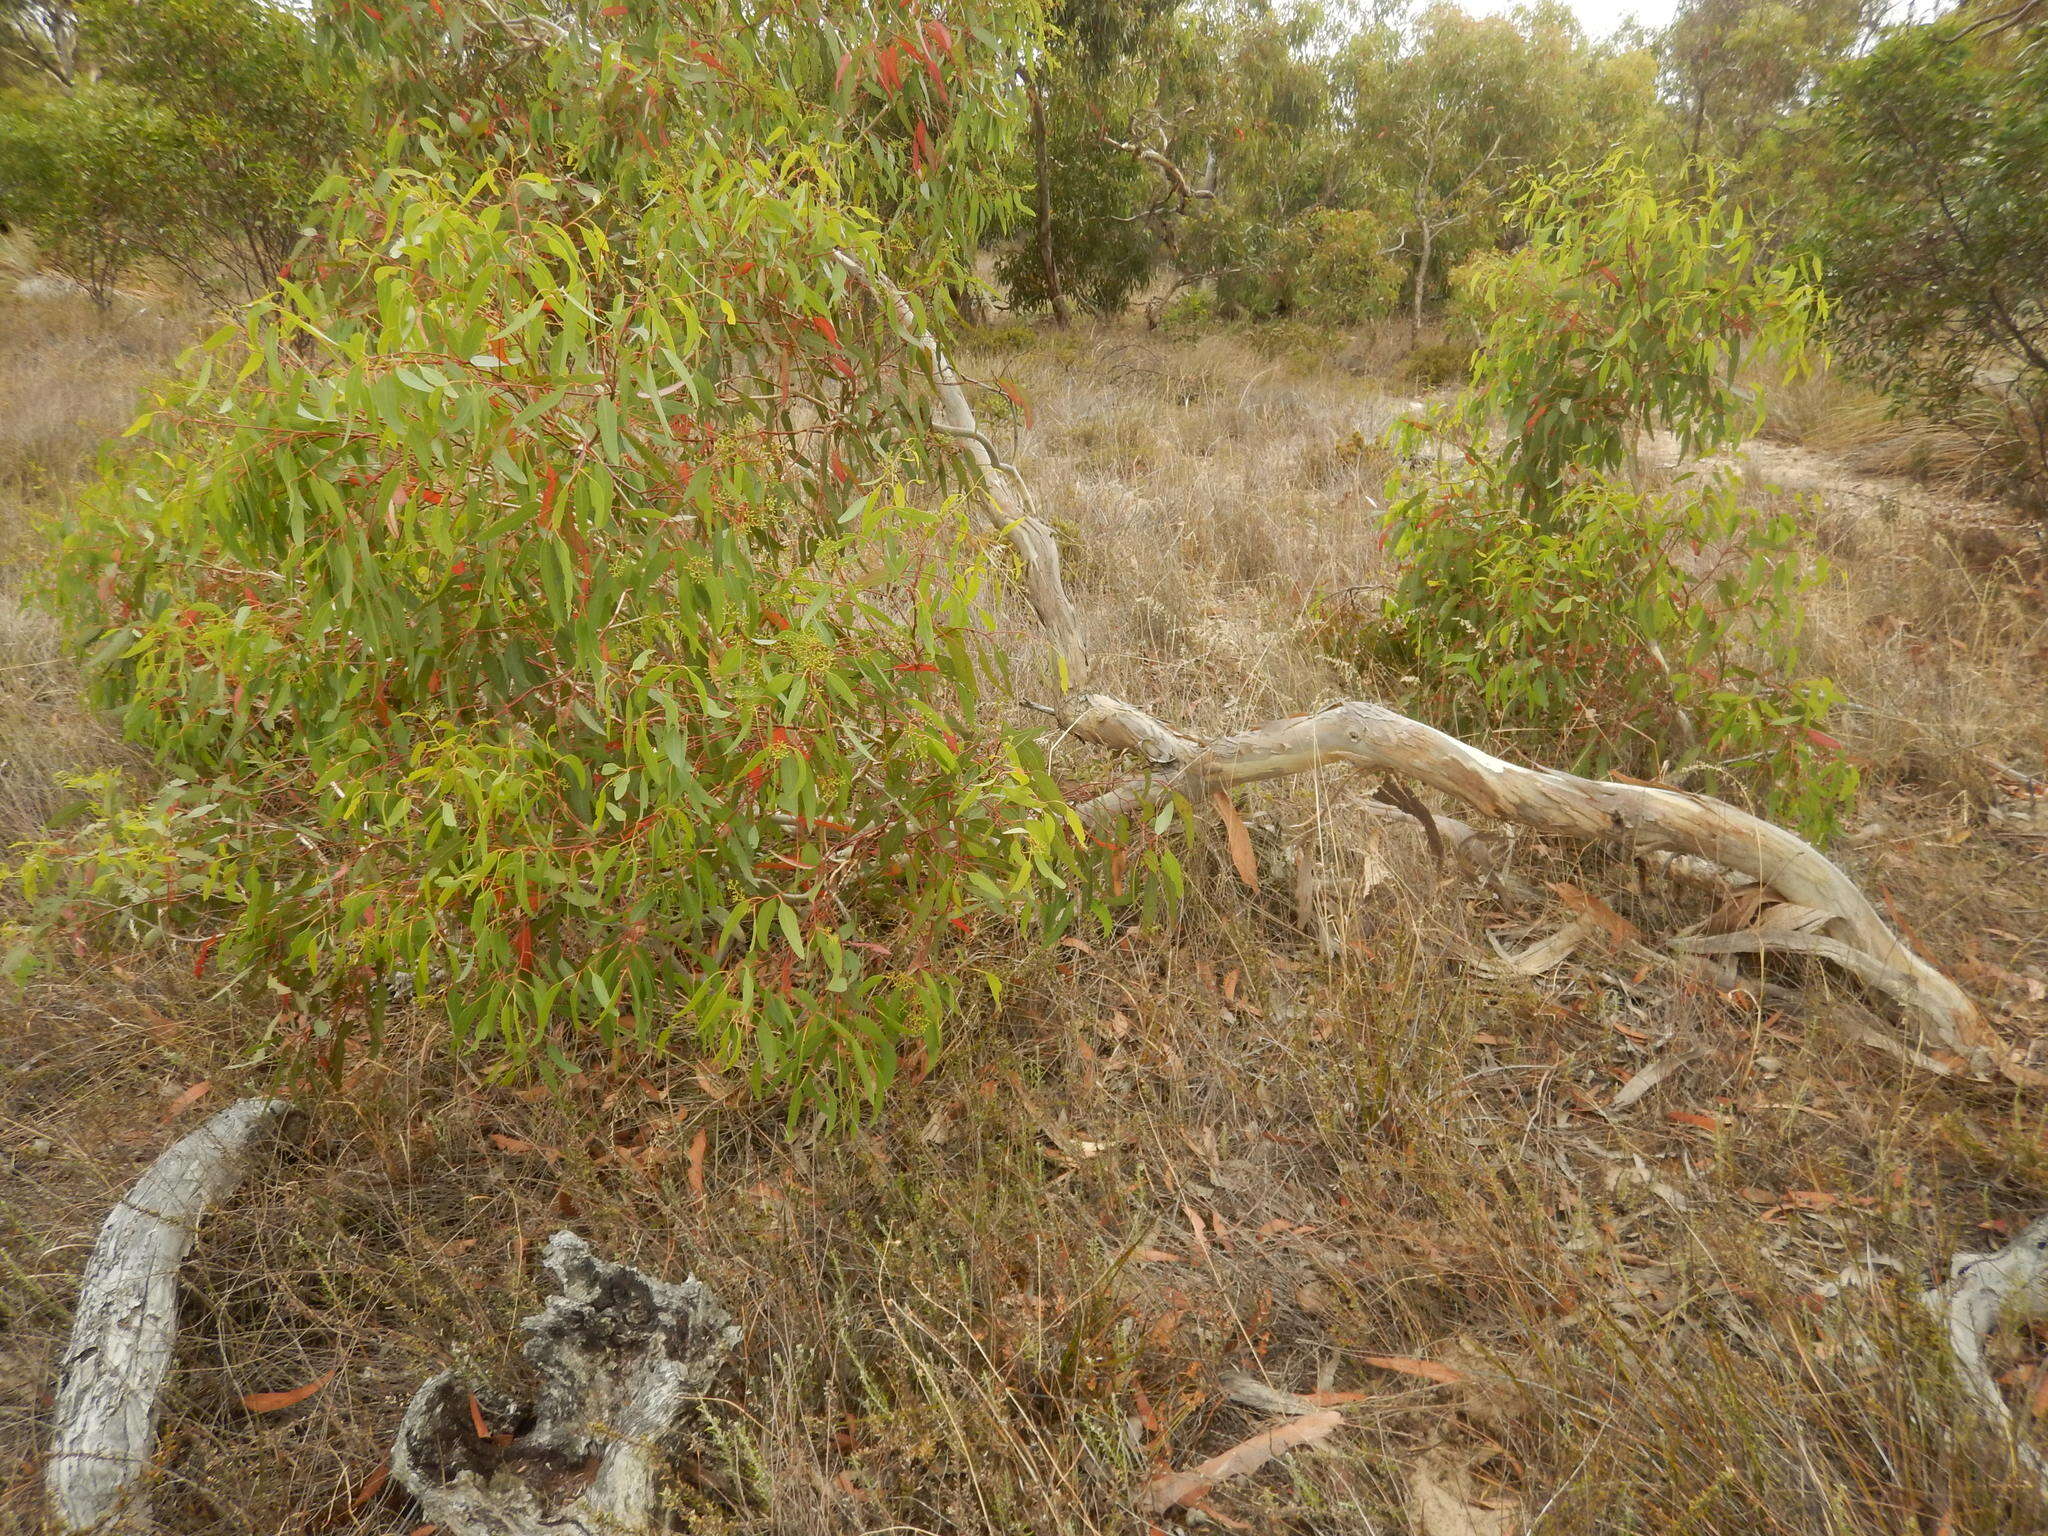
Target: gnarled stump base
{"points": [[622, 1357]]}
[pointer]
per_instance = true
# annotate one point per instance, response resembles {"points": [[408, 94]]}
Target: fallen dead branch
{"points": [[623, 1360], [1983, 1291], [1371, 737], [112, 1372], [1361, 734]]}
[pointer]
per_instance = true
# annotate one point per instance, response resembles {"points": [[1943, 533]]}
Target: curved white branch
{"points": [[1010, 510], [112, 1372], [1372, 737]]}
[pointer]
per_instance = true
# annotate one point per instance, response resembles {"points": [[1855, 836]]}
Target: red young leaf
{"points": [[270, 1402]]}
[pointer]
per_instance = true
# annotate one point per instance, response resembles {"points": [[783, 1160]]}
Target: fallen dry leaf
{"points": [[271, 1402], [1175, 1490], [1692, 1118], [1594, 910], [697, 1145], [187, 1099], [1664, 1066], [372, 1485], [1790, 917], [1738, 911], [1238, 838], [1446, 1500], [1408, 1365], [1548, 954]]}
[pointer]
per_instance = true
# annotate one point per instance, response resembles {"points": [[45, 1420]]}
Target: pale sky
{"points": [[1598, 17]]}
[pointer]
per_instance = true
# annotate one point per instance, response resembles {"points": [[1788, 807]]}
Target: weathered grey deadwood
{"points": [[1983, 1292], [1644, 818], [623, 1358], [112, 1372]]}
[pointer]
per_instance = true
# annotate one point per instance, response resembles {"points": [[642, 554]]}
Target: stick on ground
{"points": [[112, 1373]]}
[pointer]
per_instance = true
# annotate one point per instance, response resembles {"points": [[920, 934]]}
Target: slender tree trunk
{"points": [[1048, 269], [1421, 279]]}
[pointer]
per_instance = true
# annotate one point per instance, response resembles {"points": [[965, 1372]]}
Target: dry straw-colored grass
{"points": [[69, 378], [1177, 1155]]}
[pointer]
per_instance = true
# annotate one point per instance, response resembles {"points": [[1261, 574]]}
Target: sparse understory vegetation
{"points": [[545, 685]]}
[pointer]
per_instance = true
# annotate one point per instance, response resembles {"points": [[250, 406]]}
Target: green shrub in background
{"points": [[1336, 267], [1932, 216], [526, 605], [1544, 593], [1437, 363], [194, 139], [86, 173]]}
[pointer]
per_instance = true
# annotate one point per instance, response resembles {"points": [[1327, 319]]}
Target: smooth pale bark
{"points": [[112, 1374], [1009, 509]]}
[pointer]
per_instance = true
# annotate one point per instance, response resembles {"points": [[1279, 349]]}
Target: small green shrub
{"points": [[1333, 266], [1287, 340], [1191, 310], [1437, 363], [1542, 593], [1005, 339], [528, 609], [1643, 631]]}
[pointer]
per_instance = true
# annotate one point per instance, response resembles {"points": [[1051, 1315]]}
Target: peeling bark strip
{"points": [[126, 1321], [623, 1358], [1983, 1291], [1374, 738]]}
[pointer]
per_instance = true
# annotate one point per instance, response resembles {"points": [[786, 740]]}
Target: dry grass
{"points": [[69, 378], [1990, 445], [1180, 1154]]}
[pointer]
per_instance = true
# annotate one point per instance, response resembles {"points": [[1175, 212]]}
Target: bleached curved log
{"points": [[1377, 739], [623, 1359], [1983, 1292], [126, 1320], [1010, 510]]}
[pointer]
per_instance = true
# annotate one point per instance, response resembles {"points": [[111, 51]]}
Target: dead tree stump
{"points": [[622, 1358]]}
